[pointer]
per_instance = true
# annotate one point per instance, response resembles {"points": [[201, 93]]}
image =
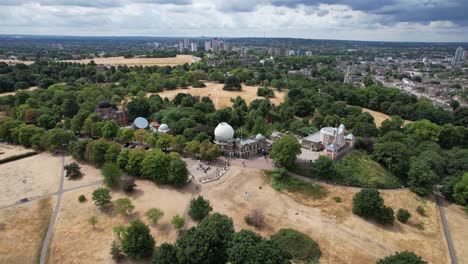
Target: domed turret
{"points": [[259, 137], [224, 131], [163, 128]]}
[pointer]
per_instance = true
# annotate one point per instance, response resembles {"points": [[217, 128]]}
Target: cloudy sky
{"points": [[390, 20]]}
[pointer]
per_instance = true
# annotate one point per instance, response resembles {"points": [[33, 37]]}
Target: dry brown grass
{"points": [[457, 220], [22, 230], [29, 177], [17, 62], [8, 150], [15, 92], [116, 61], [223, 98], [380, 117]]}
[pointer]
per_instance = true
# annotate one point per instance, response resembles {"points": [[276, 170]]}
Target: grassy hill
{"points": [[358, 169]]}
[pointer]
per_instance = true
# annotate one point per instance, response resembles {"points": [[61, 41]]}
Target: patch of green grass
{"points": [[421, 211], [337, 199], [280, 181], [357, 169]]}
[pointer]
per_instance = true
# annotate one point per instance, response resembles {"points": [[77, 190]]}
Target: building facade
{"points": [[242, 148], [332, 140]]}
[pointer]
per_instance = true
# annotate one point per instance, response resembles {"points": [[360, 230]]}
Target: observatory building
{"points": [[242, 148], [140, 123], [330, 139]]}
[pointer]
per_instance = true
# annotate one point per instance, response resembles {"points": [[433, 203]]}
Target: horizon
{"points": [[362, 20], [227, 38]]}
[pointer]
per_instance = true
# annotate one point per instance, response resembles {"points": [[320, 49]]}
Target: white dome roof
{"points": [[140, 122], [163, 128], [224, 131], [259, 137]]}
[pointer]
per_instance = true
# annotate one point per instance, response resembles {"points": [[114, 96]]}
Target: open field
{"points": [[22, 230], [29, 177], [72, 228], [116, 61], [17, 62], [90, 175], [8, 150], [222, 98], [380, 117], [343, 237], [17, 91], [457, 220]]}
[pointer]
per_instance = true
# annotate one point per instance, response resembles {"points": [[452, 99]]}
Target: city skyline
{"points": [[390, 20]]}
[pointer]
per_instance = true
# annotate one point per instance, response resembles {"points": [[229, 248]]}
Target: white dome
{"points": [[140, 123], [224, 131], [259, 137], [163, 128]]}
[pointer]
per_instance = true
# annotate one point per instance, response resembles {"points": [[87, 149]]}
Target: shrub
{"points": [[421, 211], [198, 84], [116, 251], [93, 221], [178, 221], [137, 241], [154, 214], [73, 170], [367, 203], [124, 206], [82, 198], [301, 247], [337, 199], [199, 208], [255, 219], [265, 92], [128, 184], [403, 215], [404, 257]]}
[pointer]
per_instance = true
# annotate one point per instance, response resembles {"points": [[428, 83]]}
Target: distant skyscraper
{"points": [[215, 45], [181, 46], [186, 43], [208, 45], [193, 46], [458, 58]]}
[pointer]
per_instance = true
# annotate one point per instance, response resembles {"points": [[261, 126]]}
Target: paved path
{"points": [[45, 243], [453, 255]]}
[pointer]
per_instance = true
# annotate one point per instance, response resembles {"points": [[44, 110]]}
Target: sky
{"points": [[376, 20]]}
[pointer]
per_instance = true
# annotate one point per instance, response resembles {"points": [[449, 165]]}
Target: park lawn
{"points": [[357, 169], [293, 185]]}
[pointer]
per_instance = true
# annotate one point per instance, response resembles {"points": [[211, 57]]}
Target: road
{"points": [[453, 255]]}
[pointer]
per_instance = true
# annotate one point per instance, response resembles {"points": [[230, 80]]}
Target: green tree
{"points": [[323, 167], [111, 173], [199, 208], [394, 156], [423, 130], [134, 164], [232, 83], [285, 151], [96, 151], [110, 129], [300, 246], [367, 203], [77, 149], [154, 214], [165, 254], [102, 198], [395, 123], [164, 141], [404, 257], [125, 135], [141, 136], [248, 247], [403, 215], [209, 151], [207, 243], [460, 190], [73, 170], [137, 241], [421, 177], [124, 206], [178, 221], [113, 152], [178, 173]]}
